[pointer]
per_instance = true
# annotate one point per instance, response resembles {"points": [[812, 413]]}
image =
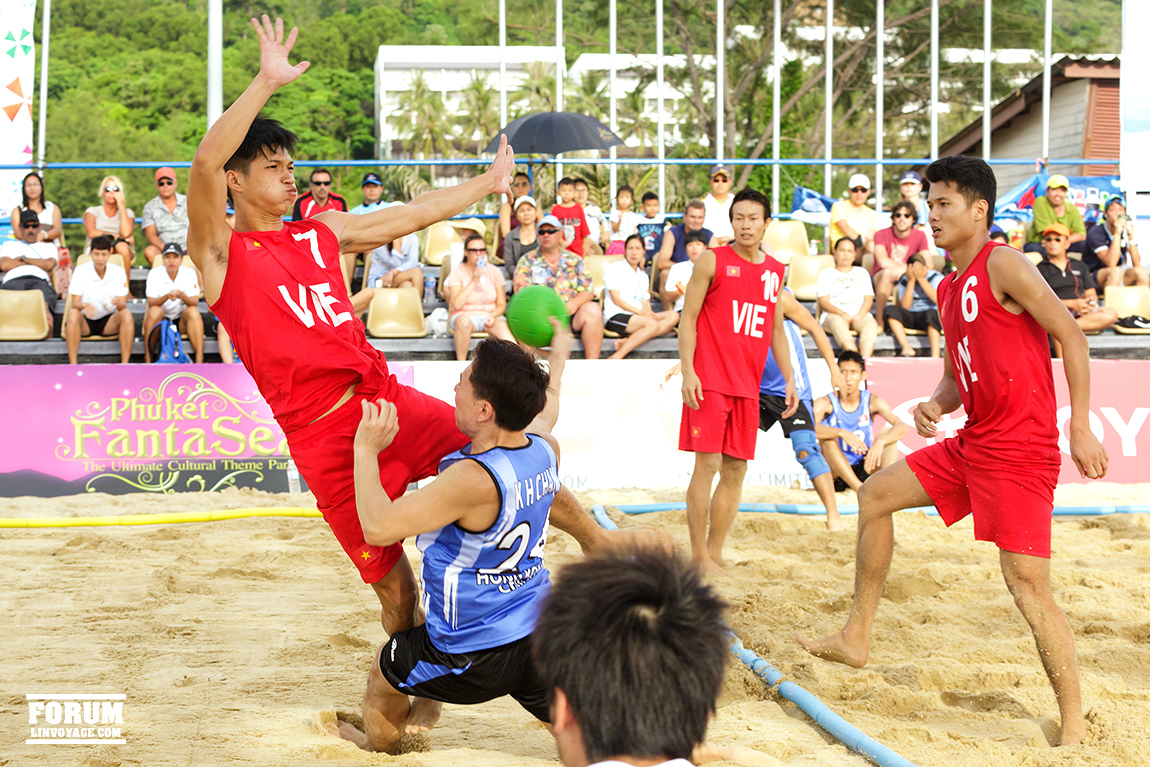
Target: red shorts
{"points": [[323, 453], [722, 424], [1012, 505]]}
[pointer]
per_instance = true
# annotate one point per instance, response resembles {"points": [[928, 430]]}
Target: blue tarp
{"points": [[1088, 193]]}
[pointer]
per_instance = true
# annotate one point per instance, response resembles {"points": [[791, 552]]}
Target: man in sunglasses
{"points": [[1071, 281], [165, 217], [318, 197], [853, 219], [717, 204], [27, 263], [893, 248]]}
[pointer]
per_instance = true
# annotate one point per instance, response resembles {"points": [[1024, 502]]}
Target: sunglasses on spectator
{"points": [[111, 189], [860, 189], [477, 250], [548, 231], [719, 178], [1051, 237], [321, 183], [32, 225], [902, 215], [165, 182]]}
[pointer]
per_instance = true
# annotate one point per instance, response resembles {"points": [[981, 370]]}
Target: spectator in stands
{"points": [[508, 220], [673, 249], [650, 227], [566, 273], [845, 296], [173, 292], [717, 205], [910, 190], [998, 235], [679, 275], [627, 302], [623, 220], [112, 217], [1071, 281], [372, 189], [318, 197], [27, 263], [1111, 253], [597, 223], [165, 217], [48, 213], [844, 424], [392, 265], [99, 291], [475, 297], [853, 219], [522, 239], [1052, 208], [893, 247], [574, 223], [916, 306]]}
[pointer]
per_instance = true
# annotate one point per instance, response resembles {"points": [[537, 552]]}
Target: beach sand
{"points": [[234, 641]]}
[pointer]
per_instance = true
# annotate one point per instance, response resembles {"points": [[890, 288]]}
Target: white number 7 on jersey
{"points": [[313, 240]]}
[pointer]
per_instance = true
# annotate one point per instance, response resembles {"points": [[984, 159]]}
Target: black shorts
{"points": [[771, 409], [413, 665], [96, 326], [914, 320], [618, 323], [860, 472], [34, 283]]}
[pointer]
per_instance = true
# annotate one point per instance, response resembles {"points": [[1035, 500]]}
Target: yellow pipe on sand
{"points": [[159, 519]]}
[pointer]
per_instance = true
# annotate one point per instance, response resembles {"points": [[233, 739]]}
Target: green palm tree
{"points": [[538, 91], [632, 122], [589, 95], [424, 119], [478, 119]]}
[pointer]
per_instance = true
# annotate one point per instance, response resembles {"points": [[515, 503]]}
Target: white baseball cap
{"points": [[525, 199], [858, 179]]}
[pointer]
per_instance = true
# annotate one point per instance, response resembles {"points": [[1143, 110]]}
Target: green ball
{"points": [[530, 311]]}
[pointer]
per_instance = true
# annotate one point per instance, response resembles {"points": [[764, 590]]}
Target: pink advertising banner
{"points": [[1118, 409], [136, 428]]}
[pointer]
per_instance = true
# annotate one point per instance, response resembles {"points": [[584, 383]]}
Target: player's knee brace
{"points": [[809, 454]]}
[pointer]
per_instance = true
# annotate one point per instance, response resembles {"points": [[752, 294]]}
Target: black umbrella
{"points": [[555, 133]]}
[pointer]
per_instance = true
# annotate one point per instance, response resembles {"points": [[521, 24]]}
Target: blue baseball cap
{"points": [[720, 168], [910, 177], [372, 178]]}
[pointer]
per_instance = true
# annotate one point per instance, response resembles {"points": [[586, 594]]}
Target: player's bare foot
{"points": [[835, 648], [708, 567], [835, 523], [711, 752], [1074, 734], [349, 732], [423, 715]]}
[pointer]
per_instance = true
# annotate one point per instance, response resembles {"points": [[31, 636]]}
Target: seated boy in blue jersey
{"points": [[845, 427], [481, 526], [800, 427]]}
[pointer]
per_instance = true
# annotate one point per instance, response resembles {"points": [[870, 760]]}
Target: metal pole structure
{"points": [[829, 95], [560, 67], [502, 65], [775, 101], [880, 52], [1048, 34], [720, 76], [44, 35], [611, 93], [215, 60], [659, 100], [934, 79], [986, 107]]}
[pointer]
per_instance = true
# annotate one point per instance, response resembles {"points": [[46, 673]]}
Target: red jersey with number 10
{"points": [[736, 322], [1001, 364], [287, 311]]}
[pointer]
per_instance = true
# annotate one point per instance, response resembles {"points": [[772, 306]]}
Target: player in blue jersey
{"points": [[800, 426], [845, 427], [481, 526]]}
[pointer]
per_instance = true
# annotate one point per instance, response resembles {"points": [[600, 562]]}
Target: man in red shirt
{"points": [[318, 198], [1002, 466], [278, 289], [729, 323]]}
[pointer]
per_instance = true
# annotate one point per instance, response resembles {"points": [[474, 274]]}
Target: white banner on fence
{"points": [[618, 427], [17, 73]]}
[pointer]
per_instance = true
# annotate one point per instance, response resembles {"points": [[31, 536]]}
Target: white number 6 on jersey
{"points": [[969, 300]]}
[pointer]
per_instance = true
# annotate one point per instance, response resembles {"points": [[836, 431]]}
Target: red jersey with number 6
{"points": [[1001, 364], [286, 308], [736, 322]]}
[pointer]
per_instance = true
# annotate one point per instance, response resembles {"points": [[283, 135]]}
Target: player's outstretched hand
{"points": [[692, 390], [926, 415], [561, 340], [274, 50], [1088, 454], [377, 427], [502, 167]]}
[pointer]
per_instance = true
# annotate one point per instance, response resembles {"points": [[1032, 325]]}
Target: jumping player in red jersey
{"points": [[1002, 466], [278, 289], [729, 324]]}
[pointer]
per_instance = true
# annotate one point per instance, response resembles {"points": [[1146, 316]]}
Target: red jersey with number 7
{"points": [[286, 308], [1001, 364], [735, 324]]}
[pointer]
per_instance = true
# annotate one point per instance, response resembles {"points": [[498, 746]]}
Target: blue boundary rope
{"points": [[834, 725], [812, 509]]}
